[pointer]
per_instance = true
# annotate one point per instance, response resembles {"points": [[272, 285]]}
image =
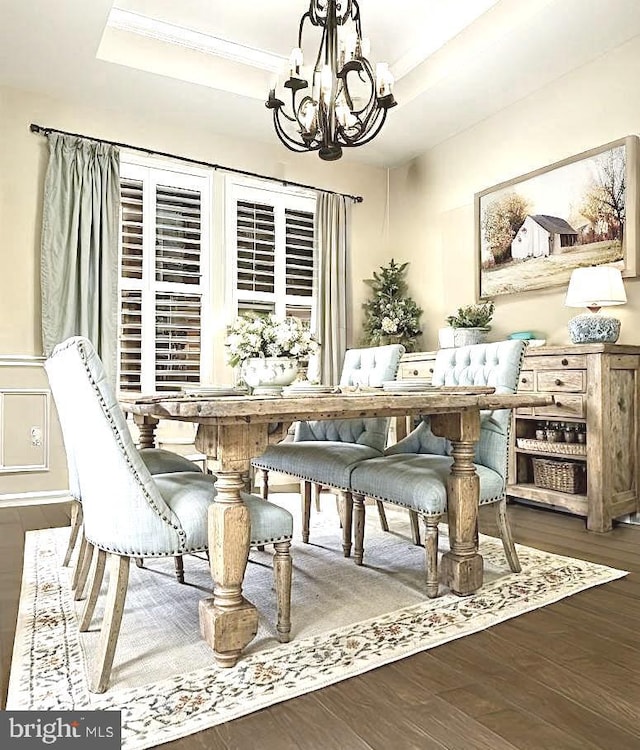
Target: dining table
{"points": [[231, 430]]}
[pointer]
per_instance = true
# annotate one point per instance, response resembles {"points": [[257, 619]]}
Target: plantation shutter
{"points": [[177, 340], [131, 340], [178, 240], [274, 251], [132, 221], [256, 247], [299, 252], [163, 283]]}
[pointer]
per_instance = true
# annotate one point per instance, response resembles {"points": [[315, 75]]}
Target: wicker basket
{"points": [[573, 449], [562, 476]]}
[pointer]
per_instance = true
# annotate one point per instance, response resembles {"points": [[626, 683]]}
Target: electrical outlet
{"points": [[36, 437]]}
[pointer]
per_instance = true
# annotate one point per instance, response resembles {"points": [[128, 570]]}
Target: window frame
{"points": [[153, 171], [281, 197]]}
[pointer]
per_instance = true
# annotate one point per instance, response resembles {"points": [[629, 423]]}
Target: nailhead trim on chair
{"points": [[180, 531], [301, 476]]}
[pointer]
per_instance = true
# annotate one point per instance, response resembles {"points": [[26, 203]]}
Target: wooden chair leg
{"points": [[306, 510], [346, 501], [96, 582], [505, 534], [83, 575], [315, 493], [76, 523], [340, 509], [114, 607], [79, 560], [431, 550], [415, 528], [384, 525], [282, 568], [179, 564], [358, 528], [265, 484]]}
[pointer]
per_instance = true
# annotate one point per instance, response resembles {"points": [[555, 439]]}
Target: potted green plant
{"points": [[469, 325]]}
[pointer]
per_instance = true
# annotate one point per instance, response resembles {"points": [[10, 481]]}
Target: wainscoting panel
{"points": [[32, 459]]}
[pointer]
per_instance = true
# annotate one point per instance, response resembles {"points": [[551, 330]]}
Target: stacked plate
{"points": [[306, 389], [214, 391], [407, 386]]}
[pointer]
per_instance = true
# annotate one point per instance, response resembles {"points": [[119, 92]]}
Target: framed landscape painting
{"points": [[532, 231]]}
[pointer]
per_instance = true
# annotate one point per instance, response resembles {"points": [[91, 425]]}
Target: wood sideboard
{"points": [[596, 389]]}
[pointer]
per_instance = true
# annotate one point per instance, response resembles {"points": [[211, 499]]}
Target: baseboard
{"points": [[21, 499]]}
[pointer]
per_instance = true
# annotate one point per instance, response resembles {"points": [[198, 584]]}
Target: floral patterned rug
{"points": [[48, 669]]}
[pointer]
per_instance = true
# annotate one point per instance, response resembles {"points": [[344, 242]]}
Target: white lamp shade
{"points": [[595, 286]]}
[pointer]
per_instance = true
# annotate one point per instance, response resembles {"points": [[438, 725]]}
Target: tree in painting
{"points": [[500, 223], [604, 201]]}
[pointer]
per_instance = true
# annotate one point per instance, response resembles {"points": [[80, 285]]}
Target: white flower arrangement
{"points": [[268, 336]]}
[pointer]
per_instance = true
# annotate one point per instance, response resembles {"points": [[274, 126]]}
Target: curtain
{"points": [[333, 232], [79, 253]]}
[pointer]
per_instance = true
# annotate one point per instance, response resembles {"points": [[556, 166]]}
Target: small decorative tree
{"points": [[390, 315]]}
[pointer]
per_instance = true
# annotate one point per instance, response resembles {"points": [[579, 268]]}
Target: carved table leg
{"points": [[461, 567], [228, 622], [147, 430]]}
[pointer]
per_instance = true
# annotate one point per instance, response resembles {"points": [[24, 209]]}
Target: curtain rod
{"points": [[40, 129]]}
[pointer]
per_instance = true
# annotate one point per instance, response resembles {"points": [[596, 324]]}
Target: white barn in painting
{"points": [[541, 236]]}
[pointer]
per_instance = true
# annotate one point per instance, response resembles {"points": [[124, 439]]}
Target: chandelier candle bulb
{"points": [[295, 62]]}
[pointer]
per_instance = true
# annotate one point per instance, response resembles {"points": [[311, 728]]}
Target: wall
{"points": [[23, 157], [432, 208]]}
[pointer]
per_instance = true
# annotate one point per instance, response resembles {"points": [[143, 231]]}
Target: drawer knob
{"points": [[431, 369], [557, 381], [564, 362], [558, 403], [415, 372], [524, 380]]}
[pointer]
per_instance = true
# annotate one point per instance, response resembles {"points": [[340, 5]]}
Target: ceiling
{"points": [[455, 63]]}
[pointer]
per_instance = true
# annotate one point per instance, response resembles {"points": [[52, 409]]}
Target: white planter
{"points": [[260, 372], [469, 336]]}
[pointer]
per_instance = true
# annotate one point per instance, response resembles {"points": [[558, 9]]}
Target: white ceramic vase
{"points": [[271, 372]]}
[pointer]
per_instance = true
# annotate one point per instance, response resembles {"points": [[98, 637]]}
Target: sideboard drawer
{"points": [[565, 405], [562, 380], [560, 362], [525, 382], [418, 369]]}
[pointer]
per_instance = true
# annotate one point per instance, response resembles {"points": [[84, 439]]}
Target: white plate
{"points": [[301, 389]]}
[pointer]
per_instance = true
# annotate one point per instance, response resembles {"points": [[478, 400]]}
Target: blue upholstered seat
{"points": [[413, 472], [324, 452]]}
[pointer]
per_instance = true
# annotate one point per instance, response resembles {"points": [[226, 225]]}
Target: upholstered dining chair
{"points": [[130, 513], [413, 473], [158, 461], [324, 452]]}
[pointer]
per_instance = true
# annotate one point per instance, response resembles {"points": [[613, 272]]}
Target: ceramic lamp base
{"points": [[593, 328]]}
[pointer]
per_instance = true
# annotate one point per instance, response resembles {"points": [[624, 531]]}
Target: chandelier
{"points": [[339, 101]]}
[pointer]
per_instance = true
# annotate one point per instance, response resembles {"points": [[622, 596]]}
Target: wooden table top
{"points": [[357, 404]]}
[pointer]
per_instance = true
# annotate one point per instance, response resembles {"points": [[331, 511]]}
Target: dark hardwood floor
{"points": [[566, 676]]}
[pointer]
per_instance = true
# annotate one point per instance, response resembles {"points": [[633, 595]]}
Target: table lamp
{"points": [[595, 287]]}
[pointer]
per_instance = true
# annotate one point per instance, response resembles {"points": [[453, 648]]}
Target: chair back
{"points": [[368, 367], [122, 507], [498, 365]]}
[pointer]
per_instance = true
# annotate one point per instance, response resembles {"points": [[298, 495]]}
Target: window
{"points": [[164, 277], [271, 236]]}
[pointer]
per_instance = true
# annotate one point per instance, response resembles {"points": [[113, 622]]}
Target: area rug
{"points": [[346, 620]]}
